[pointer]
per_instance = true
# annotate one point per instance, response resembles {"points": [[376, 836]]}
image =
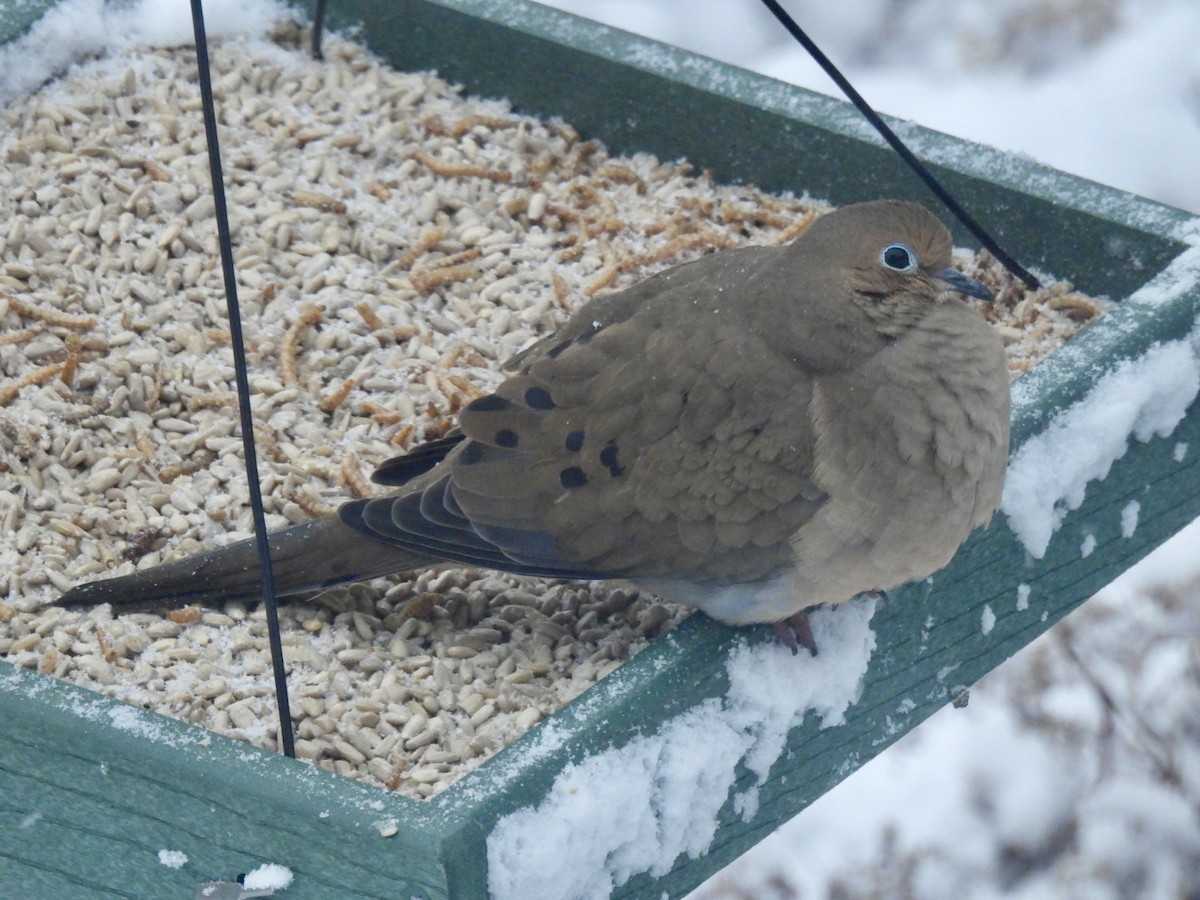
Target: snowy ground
{"points": [[1075, 771]]}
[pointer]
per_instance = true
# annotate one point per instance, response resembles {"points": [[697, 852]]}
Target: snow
{"points": [[636, 808], [1129, 518], [930, 806], [172, 859], [75, 29], [268, 877], [1141, 398]]}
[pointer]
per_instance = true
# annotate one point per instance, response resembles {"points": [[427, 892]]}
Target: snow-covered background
{"points": [[1075, 770]]}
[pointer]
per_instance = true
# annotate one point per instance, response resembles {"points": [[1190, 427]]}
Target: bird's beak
{"points": [[957, 281]]}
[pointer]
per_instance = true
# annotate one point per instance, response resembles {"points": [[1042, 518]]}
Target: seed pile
{"points": [[395, 242]]}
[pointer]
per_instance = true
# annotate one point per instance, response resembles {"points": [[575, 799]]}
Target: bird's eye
{"points": [[899, 257]]}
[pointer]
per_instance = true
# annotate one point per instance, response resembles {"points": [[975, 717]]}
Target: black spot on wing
{"points": [[538, 398], [574, 441], [506, 437], [608, 456], [572, 477]]}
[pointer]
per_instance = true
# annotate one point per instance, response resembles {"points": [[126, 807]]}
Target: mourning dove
{"points": [[752, 433]]}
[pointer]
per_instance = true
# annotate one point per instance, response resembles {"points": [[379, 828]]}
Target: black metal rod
{"points": [[318, 29], [286, 738]]}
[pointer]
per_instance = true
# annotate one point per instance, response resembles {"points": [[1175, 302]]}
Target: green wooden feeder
{"points": [[91, 789]]}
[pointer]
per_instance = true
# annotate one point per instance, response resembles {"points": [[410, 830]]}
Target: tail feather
{"points": [[304, 558]]}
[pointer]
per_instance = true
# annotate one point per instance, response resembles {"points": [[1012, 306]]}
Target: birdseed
{"points": [[395, 242]]}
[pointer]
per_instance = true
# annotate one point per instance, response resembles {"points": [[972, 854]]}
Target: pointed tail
{"points": [[305, 557]]}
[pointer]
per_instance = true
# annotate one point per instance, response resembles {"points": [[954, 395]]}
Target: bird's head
{"points": [[892, 260]]}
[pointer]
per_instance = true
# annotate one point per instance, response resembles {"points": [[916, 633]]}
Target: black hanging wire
{"points": [[898, 145], [287, 740], [318, 29]]}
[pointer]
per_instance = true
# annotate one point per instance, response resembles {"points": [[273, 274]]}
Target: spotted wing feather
{"points": [[635, 442]]}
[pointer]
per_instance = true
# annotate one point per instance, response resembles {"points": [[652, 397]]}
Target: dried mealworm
{"points": [[429, 280], [671, 223], [338, 397], [566, 213], [466, 387], [308, 501], [210, 401], [436, 125], [404, 332], [37, 376], [403, 435], [680, 244], [353, 477], [446, 271], [607, 274], [155, 171], [51, 316], [381, 415], [20, 337], [604, 225], [145, 446], [287, 353], [379, 191], [1075, 306], [106, 647], [575, 161], [370, 317], [462, 256], [622, 174], [194, 463], [315, 200], [731, 212], [268, 444], [460, 170], [72, 362], [438, 429], [574, 250], [562, 290], [426, 242], [797, 228]]}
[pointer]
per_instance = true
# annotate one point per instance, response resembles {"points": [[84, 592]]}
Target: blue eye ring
{"points": [[899, 257]]}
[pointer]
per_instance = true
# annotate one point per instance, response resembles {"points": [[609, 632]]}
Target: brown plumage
{"points": [[752, 433]]}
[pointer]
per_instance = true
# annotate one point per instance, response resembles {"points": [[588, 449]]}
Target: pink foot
{"points": [[795, 632]]}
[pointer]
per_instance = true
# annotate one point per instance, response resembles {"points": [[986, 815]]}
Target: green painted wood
{"points": [[91, 790], [17, 15]]}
